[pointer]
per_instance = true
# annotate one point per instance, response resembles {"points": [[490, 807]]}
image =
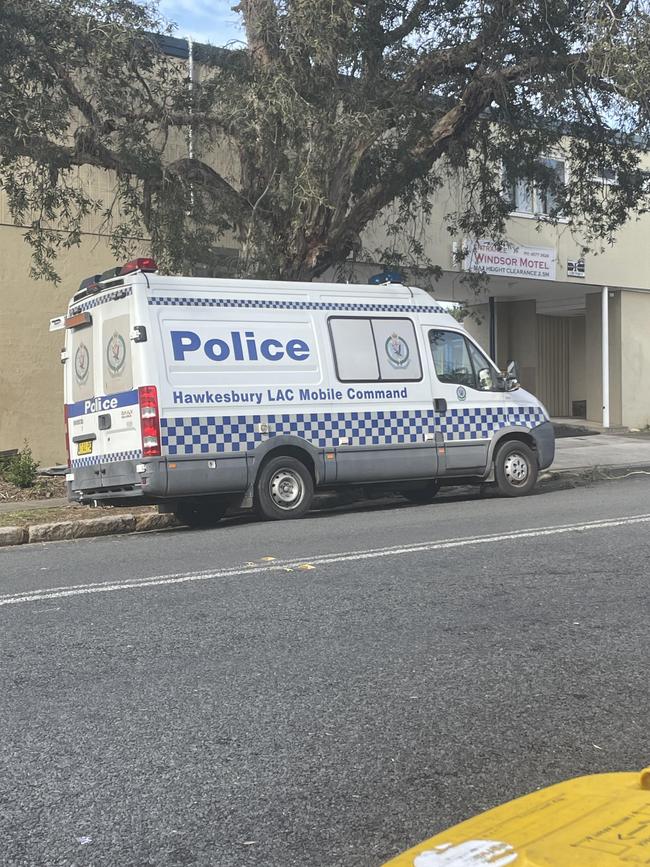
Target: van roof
{"points": [[323, 292], [393, 290]]}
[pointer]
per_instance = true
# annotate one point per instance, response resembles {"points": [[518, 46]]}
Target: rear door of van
{"points": [[103, 419], [118, 416], [81, 422]]}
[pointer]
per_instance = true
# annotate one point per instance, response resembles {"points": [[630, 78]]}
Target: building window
{"points": [[606, 177], [527, 197]]}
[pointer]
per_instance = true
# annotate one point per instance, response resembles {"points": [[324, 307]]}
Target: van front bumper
{"points": [[544, 436]]}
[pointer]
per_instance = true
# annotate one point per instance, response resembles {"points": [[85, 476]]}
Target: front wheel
{"points": [[284, 489], [515, 468]]}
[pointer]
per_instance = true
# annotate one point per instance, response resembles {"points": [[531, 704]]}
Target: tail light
{"points": [[67, 438], [149, 421]]}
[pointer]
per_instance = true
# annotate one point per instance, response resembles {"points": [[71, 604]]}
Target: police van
{"points": [[198, 394]]}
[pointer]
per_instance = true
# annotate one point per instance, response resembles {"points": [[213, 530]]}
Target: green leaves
{"points": [[336, 114]]}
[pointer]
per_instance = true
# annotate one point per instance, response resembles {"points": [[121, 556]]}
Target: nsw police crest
{"points": [[116, 353], [397, 351], [81, 363]]}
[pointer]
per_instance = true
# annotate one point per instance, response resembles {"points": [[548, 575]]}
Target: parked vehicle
{"points": [[197, 393]]}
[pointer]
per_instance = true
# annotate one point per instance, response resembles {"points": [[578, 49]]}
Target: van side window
{"points": [[82, 354], [483, 370], [354, 350], [374, 349], [457, 361], [397, 349]]}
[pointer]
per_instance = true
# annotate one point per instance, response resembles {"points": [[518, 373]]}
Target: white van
{"points": [[196, 394]]}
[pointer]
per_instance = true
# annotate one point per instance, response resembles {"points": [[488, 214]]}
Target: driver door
{"points": [[468, 397]]}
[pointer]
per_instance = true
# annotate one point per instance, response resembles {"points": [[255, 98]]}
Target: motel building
{"points": [[578, 326]]}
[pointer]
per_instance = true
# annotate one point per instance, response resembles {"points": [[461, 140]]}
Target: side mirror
{"points": [[511, 378], [512, 370]]}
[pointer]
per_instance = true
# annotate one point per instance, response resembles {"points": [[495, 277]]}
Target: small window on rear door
{"points": [[116, 355], [81, 342]]}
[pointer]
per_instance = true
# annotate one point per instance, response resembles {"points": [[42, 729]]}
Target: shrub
{"points": [[21, 469]]}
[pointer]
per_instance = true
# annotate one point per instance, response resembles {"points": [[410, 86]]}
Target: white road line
{"points": [[317, 560], [292, 563]]}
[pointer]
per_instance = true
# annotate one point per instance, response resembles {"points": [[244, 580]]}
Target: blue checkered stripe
{"points": [[93, 460], [122, 292], [178, 301], [478, 423], [238, 433]]}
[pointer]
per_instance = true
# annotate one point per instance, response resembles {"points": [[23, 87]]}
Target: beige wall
{"points": [[577, 360], [31, 375], [522, 341], [615, 346], [618, 265], [478, 325], [593, 358], [635, 358]]}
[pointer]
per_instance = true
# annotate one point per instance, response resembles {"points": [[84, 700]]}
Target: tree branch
{"points": [[443, 61], [196, 172], [409, 23], [429, 148], [261, 23]]}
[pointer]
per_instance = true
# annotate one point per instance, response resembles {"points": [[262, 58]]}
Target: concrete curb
{"points": [[13, 536], [598, 473], [112, 525], [109, 525]]}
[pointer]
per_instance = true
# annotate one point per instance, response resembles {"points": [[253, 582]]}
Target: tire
{"points": [[515, 468], [284, 489], [423, 494], [201, 513]]}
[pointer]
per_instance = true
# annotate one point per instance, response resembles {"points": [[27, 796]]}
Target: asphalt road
{"points": [[179, 699]]}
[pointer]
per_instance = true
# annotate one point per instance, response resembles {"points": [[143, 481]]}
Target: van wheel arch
{"points": [[297, 452], [521, 436], [284, 484]]}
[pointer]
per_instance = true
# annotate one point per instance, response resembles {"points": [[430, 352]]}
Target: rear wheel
{"points": [[284, 489], [201, 513], [422, 494], [515, 468]]}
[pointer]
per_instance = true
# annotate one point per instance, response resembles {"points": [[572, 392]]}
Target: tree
{"points": [[333, 110]]}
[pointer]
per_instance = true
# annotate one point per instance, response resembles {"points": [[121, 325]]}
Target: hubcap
{"points": [[287, 489], [515, 469]]}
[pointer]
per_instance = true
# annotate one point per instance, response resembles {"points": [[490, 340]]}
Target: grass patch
{"points": [[31, 517]]}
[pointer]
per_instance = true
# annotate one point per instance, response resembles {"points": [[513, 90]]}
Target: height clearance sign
{"points": [[509, 260]]}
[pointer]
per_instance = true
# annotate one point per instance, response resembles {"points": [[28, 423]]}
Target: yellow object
{"points": [[597, 821]]}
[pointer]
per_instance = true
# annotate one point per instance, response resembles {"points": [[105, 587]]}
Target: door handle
{"points": [[104, 421], [440, 404]]}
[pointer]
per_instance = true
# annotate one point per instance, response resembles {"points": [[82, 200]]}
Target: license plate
{"points": [[85, 448]]}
